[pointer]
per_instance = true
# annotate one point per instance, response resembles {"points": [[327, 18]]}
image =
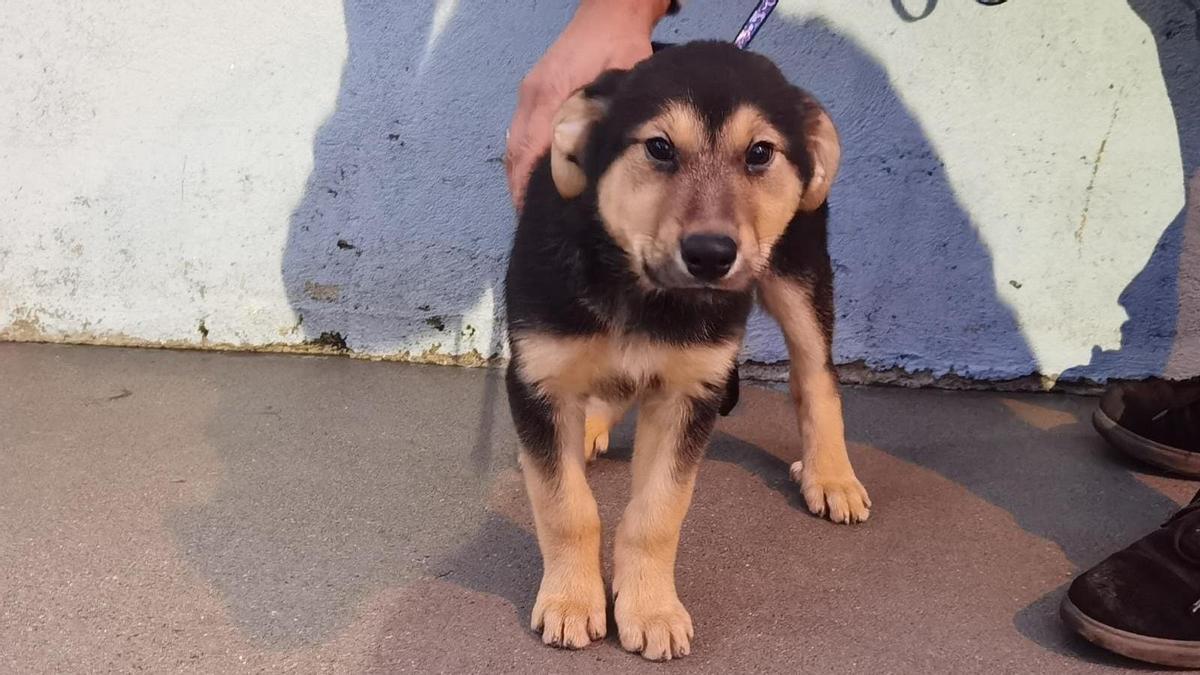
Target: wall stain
{"points": [[1087, 199], [331, 340], [322, 292], [26, 326]]}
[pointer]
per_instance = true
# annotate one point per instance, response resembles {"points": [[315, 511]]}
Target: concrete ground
{"points": [[216, 512]]}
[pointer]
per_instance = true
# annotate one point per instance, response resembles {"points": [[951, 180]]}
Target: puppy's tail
{"points": [[730, 399]]}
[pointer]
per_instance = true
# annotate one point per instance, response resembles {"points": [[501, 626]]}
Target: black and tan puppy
{"points": [[671, 194]]}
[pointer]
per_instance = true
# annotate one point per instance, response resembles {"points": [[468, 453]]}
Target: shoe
{"points": [[1157, 422], [1144, 601]]}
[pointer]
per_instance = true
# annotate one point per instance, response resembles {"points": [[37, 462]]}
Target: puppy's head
{"points": [[698, 158]]}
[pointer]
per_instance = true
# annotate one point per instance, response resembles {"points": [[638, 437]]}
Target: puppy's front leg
{"points": [[825, 475], [672, 433], [570, 605]]}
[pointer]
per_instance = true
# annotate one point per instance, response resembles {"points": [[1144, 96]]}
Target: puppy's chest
{"points": [[616, 367]]}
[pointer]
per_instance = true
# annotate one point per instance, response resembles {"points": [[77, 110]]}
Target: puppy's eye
{"points": [[759, 155], [660, 150]]}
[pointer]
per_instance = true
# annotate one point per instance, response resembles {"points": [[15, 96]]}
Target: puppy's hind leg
{"points": [[672, 433], [570, 606], [602, 416]]}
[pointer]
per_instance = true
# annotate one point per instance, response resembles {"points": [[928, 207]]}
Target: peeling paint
{"points": [[331, 340], [25, 326], [29, 329], [333, 345], [859, 373], [22, 330]]}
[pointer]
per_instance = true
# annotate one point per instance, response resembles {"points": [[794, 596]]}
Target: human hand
{"points": [[603, 35]]}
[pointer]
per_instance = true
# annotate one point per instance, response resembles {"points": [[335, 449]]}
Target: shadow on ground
{"points": [[324, 513], [385, 480]]}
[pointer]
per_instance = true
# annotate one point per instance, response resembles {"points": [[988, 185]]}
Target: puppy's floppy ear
{"points": [[824, 150], [572, 126]]}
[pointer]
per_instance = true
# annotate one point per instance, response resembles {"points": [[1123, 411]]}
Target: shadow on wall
{"points": [[1162, 333], [915, 285], [400, 240]]}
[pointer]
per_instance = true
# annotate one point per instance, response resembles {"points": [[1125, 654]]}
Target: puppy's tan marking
{"points": [[825, 475], [825, 148], [646, 208], [744, 127], [570, 605], [568, 367], [681, 124], [769, 199], [571, 124], [634, 196], [649, 615]]}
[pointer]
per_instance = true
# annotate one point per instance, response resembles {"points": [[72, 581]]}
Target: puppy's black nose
{"points": [[708, 256]]}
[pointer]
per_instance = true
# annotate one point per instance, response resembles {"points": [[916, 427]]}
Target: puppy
{"points": [[671, 193]]}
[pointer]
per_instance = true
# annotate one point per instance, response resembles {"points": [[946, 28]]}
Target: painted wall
{"points": [[1012, 197]]}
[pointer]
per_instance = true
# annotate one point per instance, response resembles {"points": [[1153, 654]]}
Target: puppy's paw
{"points": [[655, 626], [595, 436], [570, 618], [837, 494]]}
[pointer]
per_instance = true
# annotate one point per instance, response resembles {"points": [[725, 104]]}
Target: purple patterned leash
{"points": [[764, 8], [754, 22]]}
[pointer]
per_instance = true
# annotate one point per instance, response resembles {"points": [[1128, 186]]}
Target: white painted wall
{"points": [[1013, 186], [150, 156]]}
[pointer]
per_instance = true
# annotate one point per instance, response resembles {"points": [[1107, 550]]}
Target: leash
{"points": [[754, 22], [763, 9]]}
